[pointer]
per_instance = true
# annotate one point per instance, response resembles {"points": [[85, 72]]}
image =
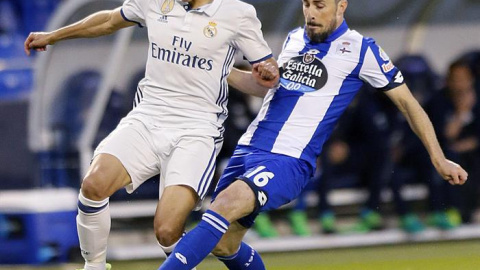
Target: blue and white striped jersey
{"points": [[317, 82]]}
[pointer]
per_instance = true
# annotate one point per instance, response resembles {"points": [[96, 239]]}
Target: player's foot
{"points": [[410, 223], [440, 220], [107, 267], [299, 222], [264, 227], [327, 221], [371, 220]]}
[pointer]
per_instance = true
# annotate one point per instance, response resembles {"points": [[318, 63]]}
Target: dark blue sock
{"points": [[245, 258], [197, 243]]}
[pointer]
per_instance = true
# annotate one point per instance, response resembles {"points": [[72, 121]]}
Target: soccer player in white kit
{"points": [[323, 66], [176, 127]]}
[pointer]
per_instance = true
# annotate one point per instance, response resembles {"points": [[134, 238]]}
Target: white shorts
{"points": [[180, 156]]}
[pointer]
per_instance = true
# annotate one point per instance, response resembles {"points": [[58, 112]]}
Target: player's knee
{"points": [[167, 235], [235, 202], [92, 187]]}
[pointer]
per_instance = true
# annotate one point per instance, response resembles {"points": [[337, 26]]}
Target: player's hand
{"points": [[37, 41], [266, 73], [452, 172]]}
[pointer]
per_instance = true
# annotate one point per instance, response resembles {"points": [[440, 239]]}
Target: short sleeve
{"points": [[249, 39], [134, 11], [377, 68]]}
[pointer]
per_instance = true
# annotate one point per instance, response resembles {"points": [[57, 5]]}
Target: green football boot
{"points": [[264, 227], [410, 223], [299, 223]]}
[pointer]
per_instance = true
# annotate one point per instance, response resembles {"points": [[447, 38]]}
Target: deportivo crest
{"points": [[167, 6], [210, 30], [309, 57], [304, 73]]}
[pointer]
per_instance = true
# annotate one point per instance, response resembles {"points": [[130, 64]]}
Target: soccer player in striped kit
{"points": [[176, 127], [323, 65]]}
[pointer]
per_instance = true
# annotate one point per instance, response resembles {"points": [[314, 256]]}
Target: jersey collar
{"points": [[208, 9], [336, 34]]}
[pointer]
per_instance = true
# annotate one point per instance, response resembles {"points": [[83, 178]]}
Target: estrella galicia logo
{"points": [[304, 73]]}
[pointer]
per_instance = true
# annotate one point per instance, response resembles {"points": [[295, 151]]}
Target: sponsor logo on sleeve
{"points": [[387, 67], [383, 54]]}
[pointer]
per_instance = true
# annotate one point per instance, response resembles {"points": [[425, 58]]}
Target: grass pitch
{"points": [[458, 255]]}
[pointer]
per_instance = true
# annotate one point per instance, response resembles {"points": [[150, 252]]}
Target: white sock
{"points": [[93, 226], [169, 249]]}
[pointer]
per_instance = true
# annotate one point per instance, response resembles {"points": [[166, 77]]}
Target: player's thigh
{"points": [[125, 157], [191, 163], [231, 240], [105, 175], [275, 180], [235, 201]]}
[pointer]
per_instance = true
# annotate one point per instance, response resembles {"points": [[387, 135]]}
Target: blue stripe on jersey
{"points": [[277, 114], [128, 20], [206, 177], [223, 95], [347, 92], [261, 59]]}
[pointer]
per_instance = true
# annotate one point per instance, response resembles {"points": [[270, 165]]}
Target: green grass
{"points": [[459, 255]]}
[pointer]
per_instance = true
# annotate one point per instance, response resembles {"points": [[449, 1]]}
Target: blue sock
{"points": [[245, 258], [197, 243]]}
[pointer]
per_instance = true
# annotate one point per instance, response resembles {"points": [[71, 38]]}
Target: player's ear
{"points": [[341, 7]]}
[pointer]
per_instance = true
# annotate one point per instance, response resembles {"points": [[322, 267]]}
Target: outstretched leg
{"points": [[234, 253], [234, 202]]}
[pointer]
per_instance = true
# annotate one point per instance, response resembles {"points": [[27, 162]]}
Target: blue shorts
{"points": [[275, 179]]}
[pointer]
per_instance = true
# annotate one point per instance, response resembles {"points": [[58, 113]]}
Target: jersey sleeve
{"points": [[134, 11], [377, 68], [249, 39]]}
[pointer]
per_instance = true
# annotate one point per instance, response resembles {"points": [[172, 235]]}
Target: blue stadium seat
{"points": [[15, 83]]}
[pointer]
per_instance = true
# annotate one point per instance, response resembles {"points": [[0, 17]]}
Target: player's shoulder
{"points": [[239, 7], [354, 37], [237, 3], [296, 34]]}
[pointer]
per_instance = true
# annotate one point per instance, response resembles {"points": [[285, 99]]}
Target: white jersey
{"points": [[317, 82], [190, 55]]}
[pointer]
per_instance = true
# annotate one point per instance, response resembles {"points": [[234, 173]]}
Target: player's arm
{"points": [[421, 125], [98, 24], [257, 82]]}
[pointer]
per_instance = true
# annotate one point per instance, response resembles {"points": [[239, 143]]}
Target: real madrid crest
{"points": [[167, 6], [210, 30]]}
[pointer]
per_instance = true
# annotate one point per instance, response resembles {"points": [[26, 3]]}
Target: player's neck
{"points": [[198, 3]]}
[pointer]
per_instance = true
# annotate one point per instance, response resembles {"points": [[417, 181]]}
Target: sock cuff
{"points": [[216, 220], [90, 206], [169, 249], [228, 258]]}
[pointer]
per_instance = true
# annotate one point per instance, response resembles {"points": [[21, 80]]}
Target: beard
{"points": [[320, 37]]}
